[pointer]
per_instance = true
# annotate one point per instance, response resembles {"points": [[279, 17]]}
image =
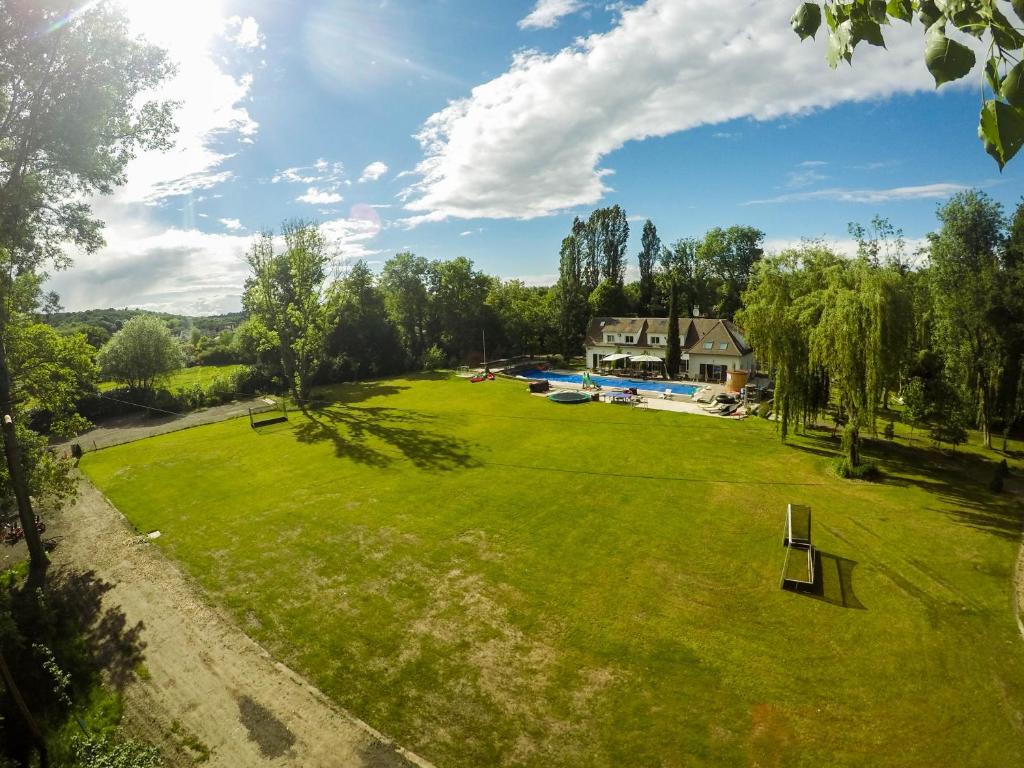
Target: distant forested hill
{"points": [[98, 325]]}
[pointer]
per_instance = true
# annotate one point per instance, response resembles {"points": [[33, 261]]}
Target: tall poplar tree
{"points": [[571, 294], [647, 259]]}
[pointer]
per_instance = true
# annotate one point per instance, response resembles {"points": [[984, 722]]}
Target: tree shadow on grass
{"points": [[350, 428], [355, 392], [115, 646], [833, 582], [959, 479]]}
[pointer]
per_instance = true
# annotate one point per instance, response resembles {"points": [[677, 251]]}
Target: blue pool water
{"points": [[652, 385]]}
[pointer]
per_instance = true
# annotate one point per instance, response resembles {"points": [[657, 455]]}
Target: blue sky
{"points": [[457, 128]]}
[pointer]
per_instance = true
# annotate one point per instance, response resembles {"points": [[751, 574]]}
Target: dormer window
{"points": [[709, 345], [655, 339], [629, 339], [609, 338], [723, 345]]}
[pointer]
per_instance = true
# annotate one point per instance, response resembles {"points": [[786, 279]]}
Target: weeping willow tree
{"points": [[777, 318], [817, 319]]}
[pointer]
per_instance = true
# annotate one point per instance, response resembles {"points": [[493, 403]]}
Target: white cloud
{"points": [[373, 171], [531, 141], [845, 246], [936, 191], [182, 269], [547, 13], [233, 224], [293, 176], [193, 32], [246, 32], [315, 196]]}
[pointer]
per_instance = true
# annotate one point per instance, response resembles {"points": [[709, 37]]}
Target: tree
{"points": [[405, 291], [139, 353], [571, 294], [729, 256], [851, 22], [73, 115], [608, 300], [284, 293], [457, 296], [971, 317], [690, 274], [361, 336], [674, 353], [523, 314], [647, 260], [779, 309]]}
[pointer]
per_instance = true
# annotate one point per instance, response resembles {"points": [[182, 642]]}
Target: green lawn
{"points": [[186, 377], [496, 580]]}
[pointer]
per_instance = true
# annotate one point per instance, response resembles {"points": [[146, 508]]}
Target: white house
{"points": [[710, 346]]}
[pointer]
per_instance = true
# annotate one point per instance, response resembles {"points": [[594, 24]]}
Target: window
{"points": [[723, 345], [629, 339], [708, 344], [610, 338], [655, 339]]}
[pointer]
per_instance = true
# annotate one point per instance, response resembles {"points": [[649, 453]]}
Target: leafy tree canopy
{"points": [[851, 22], [139, 353]]}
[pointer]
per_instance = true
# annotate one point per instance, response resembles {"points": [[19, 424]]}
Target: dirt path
{"points": [[210, 693]]}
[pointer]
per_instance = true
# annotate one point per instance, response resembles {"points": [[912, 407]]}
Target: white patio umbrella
{"points": [[645, 359], [614, 358]]}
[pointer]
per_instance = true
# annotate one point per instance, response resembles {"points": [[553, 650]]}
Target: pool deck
{"points": [[678, 403]]}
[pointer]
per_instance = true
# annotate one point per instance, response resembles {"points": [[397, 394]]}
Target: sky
{"points": [[459, 128]]}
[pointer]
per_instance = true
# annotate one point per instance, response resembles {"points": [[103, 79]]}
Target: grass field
{"points": [[496, 580], [186, 377]]}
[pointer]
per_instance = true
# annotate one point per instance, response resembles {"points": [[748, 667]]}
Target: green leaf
{"points": [[1003, 33], [1013, 86], [928, 13], [969, 20], [903, 10], [877, 11], [806, 20], [839, 47], [867, 30], [1018, 8], [1001, 130], [995, 81], [831, 20], [946, 59]]}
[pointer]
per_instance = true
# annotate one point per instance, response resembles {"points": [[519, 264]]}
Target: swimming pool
{"points": [[651, 385]]}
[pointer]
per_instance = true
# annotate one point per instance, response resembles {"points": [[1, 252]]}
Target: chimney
{"points": [[696, 311]]}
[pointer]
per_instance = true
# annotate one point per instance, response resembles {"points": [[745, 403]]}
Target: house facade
{"points": [[710, 347]]}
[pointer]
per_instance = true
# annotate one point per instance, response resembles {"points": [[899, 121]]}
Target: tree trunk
{"points": [[38, 560], [30, 722], [986, 416]]}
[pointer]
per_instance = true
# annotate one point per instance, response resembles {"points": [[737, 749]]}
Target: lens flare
{"points": [[68, 18]]}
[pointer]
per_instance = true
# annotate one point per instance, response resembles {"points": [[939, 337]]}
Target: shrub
{"points": [[556, 361], [221, 390], [863, 471], [433, 359], [193, 396], [889, 431]]}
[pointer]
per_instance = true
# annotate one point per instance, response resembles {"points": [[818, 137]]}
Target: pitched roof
{"points": [[693, 330], [599, 326]]}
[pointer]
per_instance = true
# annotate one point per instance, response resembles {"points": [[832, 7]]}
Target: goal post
{"points": [[270, 411]]}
